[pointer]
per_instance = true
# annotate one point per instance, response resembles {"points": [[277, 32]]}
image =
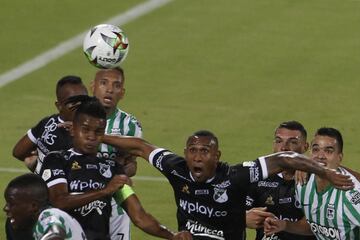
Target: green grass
{"points": [[237, 67]]}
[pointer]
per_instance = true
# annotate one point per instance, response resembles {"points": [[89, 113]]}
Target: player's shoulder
{"points": [[120, 114], [43, 121]]}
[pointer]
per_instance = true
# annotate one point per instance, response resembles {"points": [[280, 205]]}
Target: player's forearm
{"points": [[300, 227], [290, 160], [132, 145], [71, 201], [150, 225]]}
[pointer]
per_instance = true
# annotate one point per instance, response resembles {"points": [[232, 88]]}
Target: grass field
{"points": [[236, 67]]}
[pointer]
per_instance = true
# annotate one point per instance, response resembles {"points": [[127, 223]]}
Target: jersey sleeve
{"points": [[352, 204], [133, 127], [164, 160], [45, 223], [251, 196], [250, 172], [36, 132], [52, 171]]}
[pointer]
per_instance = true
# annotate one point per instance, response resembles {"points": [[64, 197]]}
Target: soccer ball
{"points": [[106, 46]]}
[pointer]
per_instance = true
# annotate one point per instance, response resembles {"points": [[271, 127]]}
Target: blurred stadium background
{"points": [[236, 67]]}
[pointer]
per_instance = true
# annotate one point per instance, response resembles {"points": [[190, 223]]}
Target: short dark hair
{"points": [[34, 186], [70, 79], [91, 107], [293, 125], [333, 133], [118, 69], [205, 133]]}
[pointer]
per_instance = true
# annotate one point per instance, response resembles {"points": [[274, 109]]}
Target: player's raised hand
{"points": [[301, 177], [255, 217], [339, 180], [183, 235], [273, 225], [115, 183]]}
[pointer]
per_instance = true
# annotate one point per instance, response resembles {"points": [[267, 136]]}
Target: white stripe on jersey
{"points": [[153, 153], [31, 136], [56, 181]]}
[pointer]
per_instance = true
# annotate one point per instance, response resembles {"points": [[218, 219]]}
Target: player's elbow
{"points": [[17, 153]]}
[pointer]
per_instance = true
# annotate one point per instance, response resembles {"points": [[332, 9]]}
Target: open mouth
{"points": [[197, 170], [107, 99]]}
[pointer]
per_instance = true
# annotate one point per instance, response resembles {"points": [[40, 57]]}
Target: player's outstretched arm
{"points": [[356, 174], [132, 145], [280, 161], [148, 223], [273, 225], [23, 148], [61, 198]]}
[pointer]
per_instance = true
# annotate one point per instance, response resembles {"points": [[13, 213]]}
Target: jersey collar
{"points": [[73, 152]]}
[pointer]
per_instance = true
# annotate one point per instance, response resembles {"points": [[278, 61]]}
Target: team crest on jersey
{"points": [[185, 189], [355, 197], [105, 170], [269, 200], [330, 211], [46, 174], [75, 166], [220, 195], [116, 131]]}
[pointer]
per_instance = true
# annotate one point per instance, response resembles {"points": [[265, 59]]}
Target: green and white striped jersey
{"points": [[119, 123], [55, 216], [332, 213]]}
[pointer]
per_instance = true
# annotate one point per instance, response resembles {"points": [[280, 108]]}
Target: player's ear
{"points": [[71, 130], [92, 86], [58, 105], [122, 93], [341, 157], [218, 155], [306, 147]]}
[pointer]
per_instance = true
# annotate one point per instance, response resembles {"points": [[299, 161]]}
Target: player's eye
{"points": [[117, 85], [204, 150], [294, 142], [315, 150]]}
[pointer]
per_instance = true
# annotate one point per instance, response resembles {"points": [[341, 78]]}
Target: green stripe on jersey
{"points": [[332, 213], [119, 123]]}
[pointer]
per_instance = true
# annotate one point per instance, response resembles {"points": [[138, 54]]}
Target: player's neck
{"points": [[321, 184], [109, 111]]}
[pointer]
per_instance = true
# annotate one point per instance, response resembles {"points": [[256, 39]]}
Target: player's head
{"points": [[327, 147], [202, 155], [25, 197], [88, 126], [290, 136], [108, 87], [67, 87]]}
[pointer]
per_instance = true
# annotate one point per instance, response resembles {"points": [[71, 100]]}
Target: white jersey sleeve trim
{"points": [[31, 136], [264, 169], [56, 181], [153, 153]]}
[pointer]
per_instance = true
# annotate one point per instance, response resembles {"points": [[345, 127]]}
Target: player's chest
{"points": [[203, 198], [84, 176]]}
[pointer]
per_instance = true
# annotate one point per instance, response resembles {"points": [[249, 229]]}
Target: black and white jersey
{"points": [[278, 196], [215, 209], [48, 137], [83, 173]]}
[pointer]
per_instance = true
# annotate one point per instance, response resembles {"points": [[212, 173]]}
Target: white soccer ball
{"points": [[106, 46]]}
